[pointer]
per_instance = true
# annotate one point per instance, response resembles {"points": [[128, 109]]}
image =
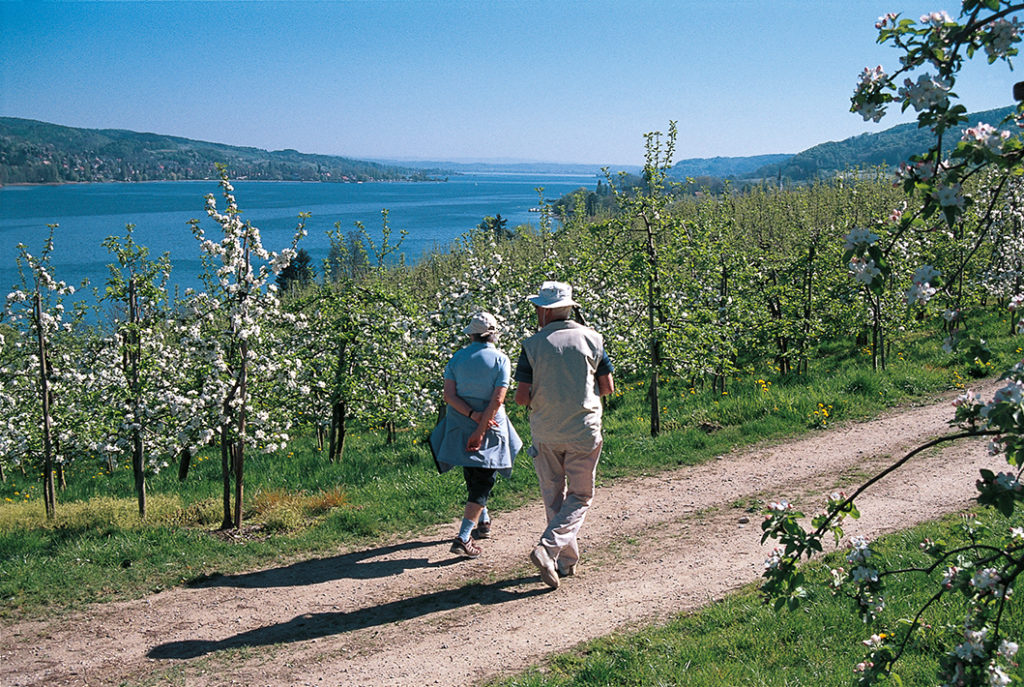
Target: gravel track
{"points": [[404, 613]]}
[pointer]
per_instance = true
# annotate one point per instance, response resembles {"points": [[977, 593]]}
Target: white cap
{"points": [[553, 294], [481, 323]]}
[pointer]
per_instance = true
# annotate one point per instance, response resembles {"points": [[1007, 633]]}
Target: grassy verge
{"points": [[300, 505], [740, 641]]}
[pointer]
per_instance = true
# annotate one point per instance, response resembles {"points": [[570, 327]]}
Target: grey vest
{"points": [[565, 406]]}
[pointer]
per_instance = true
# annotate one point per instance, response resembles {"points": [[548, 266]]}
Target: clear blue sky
{"points": [[521, 79]]}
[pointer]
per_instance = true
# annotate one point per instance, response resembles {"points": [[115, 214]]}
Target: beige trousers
{"points": [[566, 473]]}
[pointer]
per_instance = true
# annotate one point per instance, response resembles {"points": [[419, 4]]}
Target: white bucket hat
{"points": [[481, 323], [553, 294]]}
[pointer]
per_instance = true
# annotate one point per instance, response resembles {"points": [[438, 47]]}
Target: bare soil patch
{"points": [[404, 613]]}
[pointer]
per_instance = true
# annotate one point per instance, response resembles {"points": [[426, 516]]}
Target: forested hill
{"points": [[725, 167], [37, 152], [886, 148]]}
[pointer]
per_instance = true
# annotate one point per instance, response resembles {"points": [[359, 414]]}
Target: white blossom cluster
{"points": [[1001, 35]]}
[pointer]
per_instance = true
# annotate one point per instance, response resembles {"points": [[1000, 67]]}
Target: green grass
{"points": [[741, 641], [299, 504]]}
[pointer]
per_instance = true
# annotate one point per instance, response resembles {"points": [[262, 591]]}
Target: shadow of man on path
{"points": [[313, 625], [357, 565]]}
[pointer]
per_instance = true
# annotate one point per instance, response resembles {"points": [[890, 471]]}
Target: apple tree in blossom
{"points": [[966, 188]]}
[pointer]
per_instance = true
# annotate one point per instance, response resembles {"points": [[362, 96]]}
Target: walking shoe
{"points": [[469, 549], [567, 571], [540, 558], [482, 530]]}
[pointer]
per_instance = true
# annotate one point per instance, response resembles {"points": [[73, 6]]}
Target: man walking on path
{"points": [[563, 371]]}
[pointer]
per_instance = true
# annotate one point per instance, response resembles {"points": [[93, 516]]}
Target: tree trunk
{"points": [[336, 443], [138, 469], [339, 409], [134, 352], [225, 468], [1016, 316], [183, 464], [653, 302], [49, 493], [803, 357], [240, 444]]}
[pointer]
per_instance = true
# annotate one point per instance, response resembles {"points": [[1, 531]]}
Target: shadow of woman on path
{"points": [[314, 625], [358, 565]]}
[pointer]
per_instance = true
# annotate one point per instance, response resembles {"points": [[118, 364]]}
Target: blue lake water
{"points": [[433, 213]]}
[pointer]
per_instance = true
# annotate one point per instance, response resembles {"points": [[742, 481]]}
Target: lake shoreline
{"points": [[21, 184], [434, 215]]}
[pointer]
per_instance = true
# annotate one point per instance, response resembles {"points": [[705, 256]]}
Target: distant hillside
{"points": [[725, 167], [505, 166], [36, 152], [887, 148], [721, 167]]}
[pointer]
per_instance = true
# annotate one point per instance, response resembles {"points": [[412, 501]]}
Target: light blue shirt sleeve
{"points": [[504, 372]]}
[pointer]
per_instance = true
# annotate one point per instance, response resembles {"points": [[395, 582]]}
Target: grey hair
{"points": [[562, 313]]}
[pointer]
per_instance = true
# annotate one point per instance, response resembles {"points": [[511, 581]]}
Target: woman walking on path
{"points": [[475, 432]]}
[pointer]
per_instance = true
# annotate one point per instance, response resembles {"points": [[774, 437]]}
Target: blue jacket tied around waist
{"points": [[497, 450]]}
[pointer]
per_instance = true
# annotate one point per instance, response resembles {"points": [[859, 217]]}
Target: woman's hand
{"points": [[474, 441], [475, 416]]}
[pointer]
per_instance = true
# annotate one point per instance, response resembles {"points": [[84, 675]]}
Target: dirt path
{"points": [[405, 613]]}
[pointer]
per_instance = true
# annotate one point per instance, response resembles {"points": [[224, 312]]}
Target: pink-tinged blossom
{"points": [[1008, 649], [871, 112], [870, 77], [1007, 481], [885, 19], [997, 677], [860, 550], [936, 19], [949, 196], [858, 238], [986, 580], [862, 666], [862, 573], [968, 398], [949, 579], [866, 97], [1001, 35], [774, 560], [1016, 302], [864, 271], [919, 293], [927, 92], [921, 289], [1011, 393], [987, 135], [973, 647], [922, 170], [838, 577], [874, 641]]}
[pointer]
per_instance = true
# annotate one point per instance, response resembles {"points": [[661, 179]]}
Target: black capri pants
{"points": [[479, 482]]}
